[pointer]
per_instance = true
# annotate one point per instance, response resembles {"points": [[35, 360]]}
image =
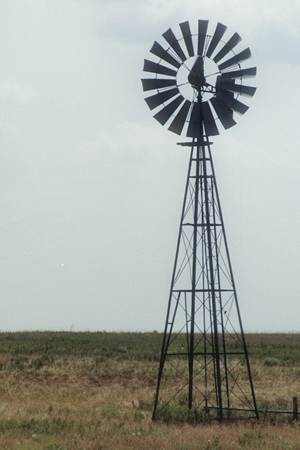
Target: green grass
{"points": [[141, 346], [272, 349], [34, 426]]}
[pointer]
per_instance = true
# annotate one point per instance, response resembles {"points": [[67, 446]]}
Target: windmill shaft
{"points": [[194, 282], [212, 285], [201, 161]]}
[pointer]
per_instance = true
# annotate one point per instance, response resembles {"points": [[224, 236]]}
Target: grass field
{"points": [[70, 390]]}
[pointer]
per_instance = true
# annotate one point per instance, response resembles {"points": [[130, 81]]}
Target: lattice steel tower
{"points": [[204, 368]]}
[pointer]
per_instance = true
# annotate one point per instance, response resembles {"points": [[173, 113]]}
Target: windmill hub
{"points": [[192, 79], [196, 76]]}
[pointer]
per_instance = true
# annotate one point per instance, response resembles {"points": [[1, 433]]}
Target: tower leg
{"points": [[204, 369]]}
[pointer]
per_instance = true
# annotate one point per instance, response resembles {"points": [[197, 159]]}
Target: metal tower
{"points": [[204, 349]]}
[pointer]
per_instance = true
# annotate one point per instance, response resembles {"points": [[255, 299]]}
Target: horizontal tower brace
{"points": [[201, 177], [188, 224], [200, 159], [201, 290]]}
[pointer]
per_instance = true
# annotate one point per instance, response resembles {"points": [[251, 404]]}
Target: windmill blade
{"points": [[242, 73], [172, 41], [229, 85], [164, 114], [233, 41], [226, 97], [239, 107], [179, 121], [245, 54], [150, 66], [218, 34], [161, 97], [229, 100], [157, 83], [243, 90], [202, 31], [195, 128], [224, 84], [159, 51], [224, 113], [209, 120], [187, 36]]}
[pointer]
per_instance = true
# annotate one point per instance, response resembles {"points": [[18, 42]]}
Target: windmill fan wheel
{"points": [[210, 67]]}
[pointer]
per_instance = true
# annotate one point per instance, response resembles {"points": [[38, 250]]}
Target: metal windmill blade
{"points": [[218, 34], [187, 36], [165, 113], [233, 41]]}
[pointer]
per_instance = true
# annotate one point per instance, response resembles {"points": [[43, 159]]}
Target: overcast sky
{"points": [[91, 186]]}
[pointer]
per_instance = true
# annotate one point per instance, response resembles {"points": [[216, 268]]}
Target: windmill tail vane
{"points": [[196, 86]]}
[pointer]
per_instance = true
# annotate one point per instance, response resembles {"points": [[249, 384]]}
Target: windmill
{"points": [[196, 82]]}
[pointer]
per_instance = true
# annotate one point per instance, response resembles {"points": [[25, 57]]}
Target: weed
{"points": [[110, 412], [138, 416], [271, 362], [145, 405], [252, 439], [178, 413]]}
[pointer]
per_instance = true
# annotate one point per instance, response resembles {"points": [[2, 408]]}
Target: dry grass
{"points": [[75, 404], [79, 400]]}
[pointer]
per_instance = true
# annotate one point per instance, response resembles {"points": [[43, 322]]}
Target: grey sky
{"points": [[92, 186]]}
